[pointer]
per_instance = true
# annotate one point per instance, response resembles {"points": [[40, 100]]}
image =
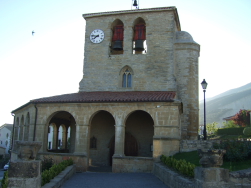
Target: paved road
{"points": [[113, 180]]}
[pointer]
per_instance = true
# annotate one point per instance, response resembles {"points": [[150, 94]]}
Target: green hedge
{"points": [[47, 175], [230, 131], [181, 165]]}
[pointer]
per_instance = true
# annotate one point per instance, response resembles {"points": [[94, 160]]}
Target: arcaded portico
{"points": [[137, 100]]}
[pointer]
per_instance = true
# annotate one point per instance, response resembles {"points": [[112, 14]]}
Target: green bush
{"points": [[230, 131], [49, 174], [247, 131], [235, 150], [4, 181], [181, 165], [47, 163]]}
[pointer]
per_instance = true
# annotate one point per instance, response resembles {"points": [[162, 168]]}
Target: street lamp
{"points": [[204, 86]]}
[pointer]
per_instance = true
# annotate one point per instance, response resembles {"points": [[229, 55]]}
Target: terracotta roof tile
{"points": [[108, 96]]}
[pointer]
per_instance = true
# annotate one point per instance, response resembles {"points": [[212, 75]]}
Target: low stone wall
{"points": [[79, 160], [204, 177], [132, 164], [192, 145], [171, 178], [61, 178], [241, 179]]}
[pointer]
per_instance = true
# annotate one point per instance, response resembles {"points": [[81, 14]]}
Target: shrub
{"points": [[4, 181], [235, 150], [230, 124], [247, 131], [230, 131], [49, 174], [181, 165], [47, 163]]}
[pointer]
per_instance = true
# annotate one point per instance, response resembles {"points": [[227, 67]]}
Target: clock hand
{"points": [[96, 36]]}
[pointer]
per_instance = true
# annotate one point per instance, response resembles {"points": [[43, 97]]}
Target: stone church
{"points": [[137, 100]]}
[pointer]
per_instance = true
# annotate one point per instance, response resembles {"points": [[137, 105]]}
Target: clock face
{"points": [[97, 36]]}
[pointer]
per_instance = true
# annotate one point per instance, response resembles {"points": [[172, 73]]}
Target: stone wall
{"points": [[192, 145], [204, 177], [132, 164], [79, 160], [241, 179], [172, 178]]}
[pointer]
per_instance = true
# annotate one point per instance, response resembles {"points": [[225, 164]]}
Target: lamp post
{"points": [[204, 86]]}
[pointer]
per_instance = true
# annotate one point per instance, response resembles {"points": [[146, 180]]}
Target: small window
{"points": [[93, 143], [127, 78]]}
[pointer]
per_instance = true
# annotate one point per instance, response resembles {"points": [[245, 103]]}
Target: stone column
{"points": [[82, 139], [119, 140], [64, 138], [54, 137], [82, 147]]}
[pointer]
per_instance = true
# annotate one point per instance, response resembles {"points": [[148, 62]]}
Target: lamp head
{"points": [[204, 84]]}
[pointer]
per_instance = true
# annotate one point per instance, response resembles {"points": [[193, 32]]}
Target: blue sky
{"points": [[51, 62]]}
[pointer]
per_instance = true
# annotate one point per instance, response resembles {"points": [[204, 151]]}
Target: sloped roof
{"points": [[8, 126], [108, 97]]}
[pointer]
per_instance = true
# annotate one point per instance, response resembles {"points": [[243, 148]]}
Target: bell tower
{"points": [[142, 50]]}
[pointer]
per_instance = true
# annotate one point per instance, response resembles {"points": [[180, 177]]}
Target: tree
{"points": [[212, 127], [242, 118], [230, 124]]}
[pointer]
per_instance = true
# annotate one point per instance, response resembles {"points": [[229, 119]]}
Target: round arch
{"points": [[102, 129], [56, 131], [140, 125], [136, 111], [98, 111]]}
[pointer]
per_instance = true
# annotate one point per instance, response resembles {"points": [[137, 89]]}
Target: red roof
{"points": [[108, 96]]}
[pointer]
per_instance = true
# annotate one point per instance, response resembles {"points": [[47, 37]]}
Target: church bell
{"points": [[139, 45], [135, 4], [117, 46]]}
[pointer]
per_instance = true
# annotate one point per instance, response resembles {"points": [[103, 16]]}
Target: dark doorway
{"points": [[130, 147]]}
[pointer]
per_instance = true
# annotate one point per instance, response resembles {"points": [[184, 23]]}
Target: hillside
{"points": [[226, 104]]}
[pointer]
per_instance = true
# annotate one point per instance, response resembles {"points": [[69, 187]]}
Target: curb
{"points": [[61, 178]]}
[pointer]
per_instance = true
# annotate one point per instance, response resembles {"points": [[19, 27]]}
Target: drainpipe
{"points": [[35, 124], [12, 135]]}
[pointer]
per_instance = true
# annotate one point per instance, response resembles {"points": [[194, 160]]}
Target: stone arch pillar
{"points": [[119, 140], [82, 139]]}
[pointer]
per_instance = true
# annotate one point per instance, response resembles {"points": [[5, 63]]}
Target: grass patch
{"points": [[193, 157]]}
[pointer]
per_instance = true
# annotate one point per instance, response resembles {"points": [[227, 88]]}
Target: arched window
{"points": [[117, 37], [126, 77], [21, 130], [16, 129], [139, 36], [27, 127]]}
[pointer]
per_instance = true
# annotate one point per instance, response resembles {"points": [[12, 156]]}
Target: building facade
{"points": [[137, 100], [5, 137]]}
